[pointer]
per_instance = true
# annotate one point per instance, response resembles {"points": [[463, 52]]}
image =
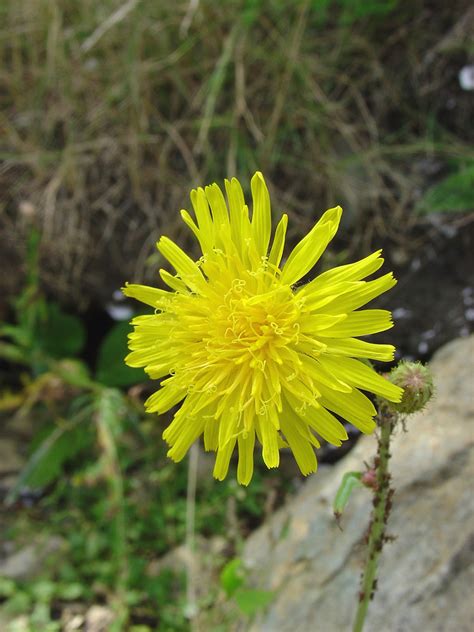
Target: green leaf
{"points": [[232, 576], [43, 590], [251, 601], [454, 194], [19, 603], [70, 592], [47, 461], [7, 587], [360, 9], [12, 353], [74, 372], [59, 334], [111, 367], [349, 481], [15, 333]]}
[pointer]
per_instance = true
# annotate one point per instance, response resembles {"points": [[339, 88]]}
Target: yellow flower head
{"points": [[246, 351]]}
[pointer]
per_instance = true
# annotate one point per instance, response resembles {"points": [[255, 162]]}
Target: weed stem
{"points": [[191, 580], [382, 503]]}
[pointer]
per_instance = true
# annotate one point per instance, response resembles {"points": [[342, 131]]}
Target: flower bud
{"points": [[369, 478], [417, 383]]}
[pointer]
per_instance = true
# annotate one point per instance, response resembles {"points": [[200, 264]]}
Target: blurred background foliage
{"points": [[111, 112]]}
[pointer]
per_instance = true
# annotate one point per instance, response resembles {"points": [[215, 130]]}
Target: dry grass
{"points": [[112, 110]]}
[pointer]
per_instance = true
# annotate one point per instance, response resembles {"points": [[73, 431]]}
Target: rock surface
{"points": [[27, 562], [426, 574]]}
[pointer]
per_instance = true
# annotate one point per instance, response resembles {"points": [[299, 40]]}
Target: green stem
{"points": [[112, 471], [382, 505]]}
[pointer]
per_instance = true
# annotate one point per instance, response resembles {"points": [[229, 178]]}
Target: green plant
{"points": [[233, 580], [42, 332], [453, 194], [83, 413]]}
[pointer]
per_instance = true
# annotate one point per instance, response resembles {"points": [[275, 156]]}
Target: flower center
{"points": [[253, 328]]}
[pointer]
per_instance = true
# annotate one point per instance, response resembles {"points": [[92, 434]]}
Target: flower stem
{"points": [[382, 503], [191, 608]]}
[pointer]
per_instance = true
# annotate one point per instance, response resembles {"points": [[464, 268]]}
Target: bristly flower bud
{"points": [[417, 383]]}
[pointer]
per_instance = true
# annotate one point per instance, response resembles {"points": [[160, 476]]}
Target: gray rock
{"points": [[29, 561], [426, 574]]}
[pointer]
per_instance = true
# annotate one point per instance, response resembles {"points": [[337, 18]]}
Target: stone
{"points": [[426, 574], [98, 619], [28, 561]]}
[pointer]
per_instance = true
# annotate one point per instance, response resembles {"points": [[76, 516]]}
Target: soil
{"points": [[433, 301]]}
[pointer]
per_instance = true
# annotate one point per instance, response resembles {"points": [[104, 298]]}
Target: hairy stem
{"points": [[382, 503]]}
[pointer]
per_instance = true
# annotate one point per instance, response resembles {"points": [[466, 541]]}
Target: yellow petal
{"points": [[362, 294], [204, 220], [150, 355], [149, 295], [350, 272], [278, 245], [187, 269], [152, 323], [321, 375], [302, 450], [326, 425], [236, 202], [354, 407], [307, 252], [246, 448], [261, 217], [188, 220], [220, 216], [164, 399], [173, 282], [361, 375], [227, 426], [211, 434], [360, 349], [316, 299], [367, 321], [221, 466], [235, 198], [313, 323], [157, 371], [268, 438], [190, 431]]}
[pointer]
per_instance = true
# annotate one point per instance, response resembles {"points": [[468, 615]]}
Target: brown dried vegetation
{"points": [[112, 111]]}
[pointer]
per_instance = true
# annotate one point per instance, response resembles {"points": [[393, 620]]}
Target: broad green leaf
{"points": [[251, 601], [111, 367], [74, 372], [48, 458], [59, 334], [232, 576]]}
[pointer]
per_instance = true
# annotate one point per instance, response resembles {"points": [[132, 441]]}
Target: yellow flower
{"points": [[249, 353]]}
